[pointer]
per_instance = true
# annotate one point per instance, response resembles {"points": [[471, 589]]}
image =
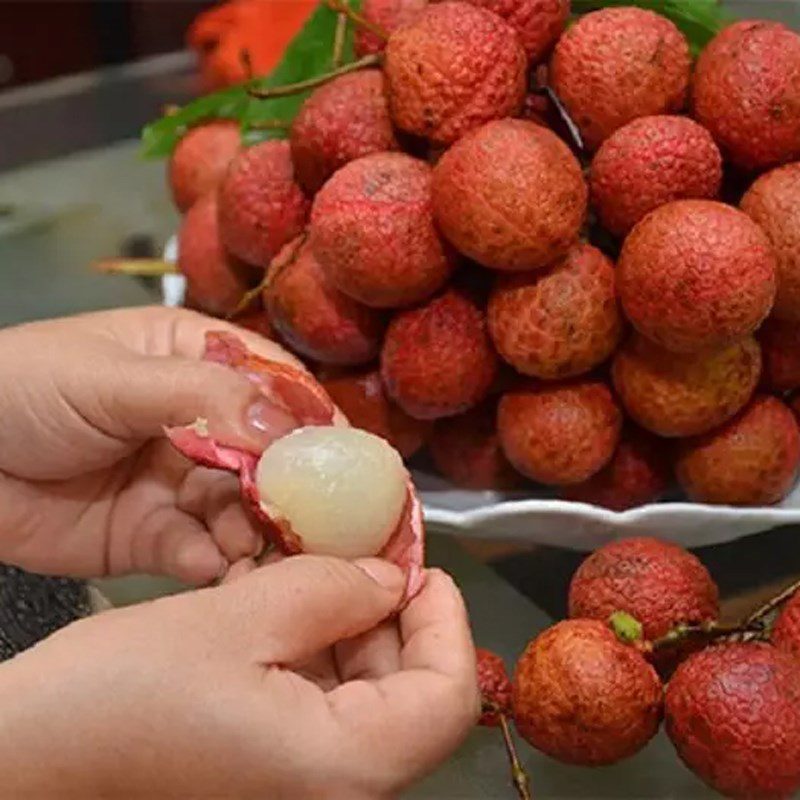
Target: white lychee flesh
{"points": [[342, 490]]}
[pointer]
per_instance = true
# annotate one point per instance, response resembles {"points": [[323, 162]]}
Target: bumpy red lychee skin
{"points": [[746, 91], [341, 121], [773, 201], [200, 159], [388, 15], [733, 714], [372, 231], [455, 67], [510, 195], [695, 275], [583, 697], [261, 206], [313, 317], [437, 360], [617, 64], [494, 686], [786, 631], [638, 473], [360, 396], [780, 348], [750, 461], [649, 162], [559, 434], [684, 395], [559, 322]]}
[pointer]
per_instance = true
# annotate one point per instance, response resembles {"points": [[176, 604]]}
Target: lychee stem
{"points": [[518, 775], [270, 125], [342, 7], [146, 267], [574, 132], [757, 617], [247, 63], [338, 40]]}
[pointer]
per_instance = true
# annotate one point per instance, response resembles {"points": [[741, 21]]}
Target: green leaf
{"points": [[627, 628]]}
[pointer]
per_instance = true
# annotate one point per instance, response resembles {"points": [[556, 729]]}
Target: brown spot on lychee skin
{"points": [[733, 714], [746, 91], [695, 275], [684, 395], [452, 69], [495, 687], [617, 64], [750, 461], [583, 697], [780, 348], [773, 201], [388, 15], [649, 162], [559, 434], [559, 322], [786, 631], [372, 231], [510, 195]]}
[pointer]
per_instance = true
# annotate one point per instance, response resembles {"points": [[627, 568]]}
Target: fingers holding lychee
{"points": [[371, 655]]}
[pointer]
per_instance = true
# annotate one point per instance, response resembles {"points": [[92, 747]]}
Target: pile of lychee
{"points": [[558, 253]]}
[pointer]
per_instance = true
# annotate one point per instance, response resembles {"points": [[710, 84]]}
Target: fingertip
{"points": [[199, 562]]}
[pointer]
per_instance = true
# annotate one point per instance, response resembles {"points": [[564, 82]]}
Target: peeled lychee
{"points": [[559, 434], [750, 461], [510, 195], [494, 686], [372, 231], [649, 162], [437, 360], [261, 207], [773, 201], [780, 348], [617, 64], [684, 395], [733, 714], [200, 159], [746, 91], [583, 697], [558, 322], [388, 15], [786, 631], [453, 68], [695, 275]]}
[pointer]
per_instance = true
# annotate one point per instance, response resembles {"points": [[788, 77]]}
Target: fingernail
{"points": [[384, 573], [268, 421]]}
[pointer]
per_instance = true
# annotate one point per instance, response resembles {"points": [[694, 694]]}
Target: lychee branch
{"points": [[143, 267], [757, 617], [518, 775], [338, 40], [342, 7]]}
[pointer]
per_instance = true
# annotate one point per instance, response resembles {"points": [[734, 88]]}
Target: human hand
{"points": [[289, 682]]}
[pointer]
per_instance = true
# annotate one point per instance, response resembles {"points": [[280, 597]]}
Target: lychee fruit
{"points": [[750, 461], [494, 686], [200, 159], [510, 195], [684, 395], [617, 64], [780, 349], [559, 434], [649, 162], [695, 275], [313, 317], [437, 360], [388, 15], [773, 201], [733, 713], [583, 697], [256, 321], [341, 121], [746, 91], [638, 473], [372, 231], [786, 630], [261, 207], [558, 322], [361, 398], [453, 68]]}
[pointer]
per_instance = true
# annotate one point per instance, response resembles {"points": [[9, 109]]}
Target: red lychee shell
{"points": [[696, 275], [437, 360], [372, 231], [780, 348], [466, 450], [360, 396], [649, 162], [559, 434], [510, 195], [733, 714], [256, 321], [746, 91], [750, 461], [773, 201], [638, 473], [559, 322], [388, 15], [494, 686], [200, 159], [341, 121], [786, 631], [583, 697], [314, 318], [261, 207], [453, 68], [684, 395], [617, 64]]}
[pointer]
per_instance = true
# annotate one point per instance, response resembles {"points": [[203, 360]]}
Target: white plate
{"points": [[539, 519]]}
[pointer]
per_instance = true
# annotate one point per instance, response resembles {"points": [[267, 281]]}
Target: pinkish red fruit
{"points": [[494, 686], [786, 631], [388, 15], [256, 321], [780, 348]]}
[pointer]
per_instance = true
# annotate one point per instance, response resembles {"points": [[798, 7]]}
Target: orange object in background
{"points": [[262, 28]]}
